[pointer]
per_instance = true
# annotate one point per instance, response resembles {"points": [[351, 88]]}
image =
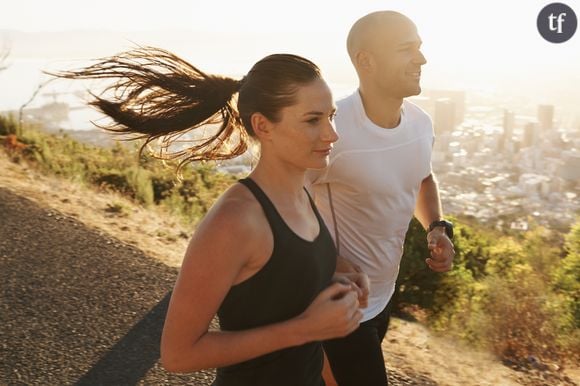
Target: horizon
{"points": [[491, 47]]}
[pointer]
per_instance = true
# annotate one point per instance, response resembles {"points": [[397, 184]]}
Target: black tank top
{"points": [[283, 288]]}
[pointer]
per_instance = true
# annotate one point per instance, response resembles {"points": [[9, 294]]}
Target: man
{"points": [[378, 177]]}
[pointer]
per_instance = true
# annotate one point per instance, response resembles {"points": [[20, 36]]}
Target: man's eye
{"points": [[410, 48], [313, 120]]}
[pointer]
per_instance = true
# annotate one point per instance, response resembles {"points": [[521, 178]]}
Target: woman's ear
{"points": [[262, 126]]}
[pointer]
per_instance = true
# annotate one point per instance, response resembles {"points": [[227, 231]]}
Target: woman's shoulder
{"points": [[237, 210], [236, 216]]}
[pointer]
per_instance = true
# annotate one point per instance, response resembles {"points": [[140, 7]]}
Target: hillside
{"points": [[51, 218]]}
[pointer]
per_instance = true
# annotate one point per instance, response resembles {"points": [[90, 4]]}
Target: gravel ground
{"points": [[79, 307]]}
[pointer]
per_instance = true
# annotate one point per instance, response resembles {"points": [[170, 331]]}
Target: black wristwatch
{"points": [[443, 223]]}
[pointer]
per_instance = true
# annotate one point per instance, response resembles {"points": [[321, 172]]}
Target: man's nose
{"points": [[420, 58]]}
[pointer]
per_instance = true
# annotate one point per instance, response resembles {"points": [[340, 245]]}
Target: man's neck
{"points": [[383, 111]]}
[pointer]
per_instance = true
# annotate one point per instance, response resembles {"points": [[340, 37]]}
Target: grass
{"points": [[517, 296], [146, 181]]}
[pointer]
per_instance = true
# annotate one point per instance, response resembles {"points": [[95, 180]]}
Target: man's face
{"points": [[396, 59]]}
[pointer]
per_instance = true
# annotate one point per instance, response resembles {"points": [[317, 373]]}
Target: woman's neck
{"points": [[280, 181]]}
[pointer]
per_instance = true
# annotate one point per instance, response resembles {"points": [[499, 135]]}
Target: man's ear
{"points": [[262, 126], [364, 61]]}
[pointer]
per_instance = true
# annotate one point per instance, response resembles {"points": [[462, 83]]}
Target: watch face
{"points": [[444, 223]]}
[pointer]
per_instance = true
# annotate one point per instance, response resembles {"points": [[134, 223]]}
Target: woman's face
{"points": [[304, 135]]}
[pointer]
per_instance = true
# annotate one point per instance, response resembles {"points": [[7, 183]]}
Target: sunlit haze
{"points": [[491, 45], [504, 101]]}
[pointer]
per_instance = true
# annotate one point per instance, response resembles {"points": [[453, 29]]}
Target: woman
{"points": [[262, 258]]}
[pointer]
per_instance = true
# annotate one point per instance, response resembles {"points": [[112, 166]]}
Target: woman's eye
{"points": [[313, 120]]}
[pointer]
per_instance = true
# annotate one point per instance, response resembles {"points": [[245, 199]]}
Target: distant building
{"points": [[530, 134], [444, 119], [458, 98], [534, 184], [509, 119], [546, 117], [516, 146], [506, 139], [520, 225], [570, 169]]}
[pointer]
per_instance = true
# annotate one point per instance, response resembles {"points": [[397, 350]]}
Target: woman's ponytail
{"points": [[157, 95]]}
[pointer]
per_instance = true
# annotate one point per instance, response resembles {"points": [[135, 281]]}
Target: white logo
{"points": [[560, 20]]}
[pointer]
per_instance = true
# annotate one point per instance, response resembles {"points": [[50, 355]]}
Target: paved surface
{"points": [[81, 308], [78, 307]]}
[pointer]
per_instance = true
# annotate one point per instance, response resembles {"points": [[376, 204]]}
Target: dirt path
{"points": [[79, 306]]}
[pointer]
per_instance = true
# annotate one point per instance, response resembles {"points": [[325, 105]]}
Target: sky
{"points": [[479, 44]]}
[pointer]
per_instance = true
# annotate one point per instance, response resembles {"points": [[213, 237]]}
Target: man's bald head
{"points": [[385, 49], [364, 32]]}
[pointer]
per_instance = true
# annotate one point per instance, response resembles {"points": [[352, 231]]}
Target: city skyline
{"points": [[491, 46]]}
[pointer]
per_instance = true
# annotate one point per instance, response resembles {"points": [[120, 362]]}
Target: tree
{"points": [[566, 276], [21, 109]]}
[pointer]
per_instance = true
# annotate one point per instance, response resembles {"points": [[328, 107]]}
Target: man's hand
{"points": [[442, 251]]}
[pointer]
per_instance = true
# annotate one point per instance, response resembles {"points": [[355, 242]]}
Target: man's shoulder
{"points": [[348, 116], [419, 118], [346, 101]]}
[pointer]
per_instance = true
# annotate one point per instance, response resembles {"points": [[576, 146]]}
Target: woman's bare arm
{"points": [[225, 242]]}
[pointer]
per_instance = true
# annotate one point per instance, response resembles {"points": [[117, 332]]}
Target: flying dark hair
{"points": [[157, 95]]}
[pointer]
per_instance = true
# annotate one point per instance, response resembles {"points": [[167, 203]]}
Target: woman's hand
{"points": [[333, 313], [359, 281]]}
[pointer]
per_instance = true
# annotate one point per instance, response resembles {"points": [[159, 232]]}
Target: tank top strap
{"points": [[314, 208], [274, 219]]}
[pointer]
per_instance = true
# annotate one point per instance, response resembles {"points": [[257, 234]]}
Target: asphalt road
{"points": [[79, 307]]}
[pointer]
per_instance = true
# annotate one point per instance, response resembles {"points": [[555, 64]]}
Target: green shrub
{"points": [[565, 283], [457, 304], [517, 294], [9, 125], [416, 283], [162, 187], [140, 181], [518, 317], [116, 181], [143, 179]]}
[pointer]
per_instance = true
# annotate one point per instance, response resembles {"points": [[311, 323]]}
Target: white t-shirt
{"points": [[374, 175]]}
